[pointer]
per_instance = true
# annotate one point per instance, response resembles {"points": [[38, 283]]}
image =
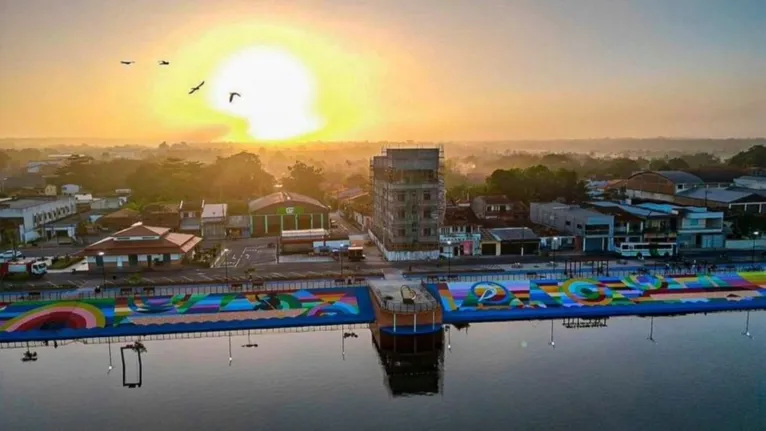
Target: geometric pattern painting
{"points": [[506, 300], [307, 307]]}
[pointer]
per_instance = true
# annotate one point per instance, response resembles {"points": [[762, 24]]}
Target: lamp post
{"points": [[449, 258], [226, 266], [553, 250], [752, 253], [103, 269]]}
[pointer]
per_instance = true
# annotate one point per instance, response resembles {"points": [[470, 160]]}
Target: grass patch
{"points": [[64, 263]]}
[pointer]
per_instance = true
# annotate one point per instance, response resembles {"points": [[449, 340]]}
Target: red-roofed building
{"points": [[141, 246]]}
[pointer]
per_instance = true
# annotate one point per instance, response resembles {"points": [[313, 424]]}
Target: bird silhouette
{"points": [[232, 94], [163, 63], [197, 87], [127, 63]]}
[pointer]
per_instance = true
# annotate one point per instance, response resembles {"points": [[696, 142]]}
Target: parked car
{"points": [[11, 254]]}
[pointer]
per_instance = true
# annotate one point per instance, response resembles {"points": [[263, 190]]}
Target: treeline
{"points": [[235, 178]]}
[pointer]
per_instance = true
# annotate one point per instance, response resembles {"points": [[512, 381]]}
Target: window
{"points": [[427, 231], [568, 223], [579, 226], [99, 261], [400, 232], [133, 260], [401, 214], [400, 197], [166, 257], [426, 196], [427, 213]]}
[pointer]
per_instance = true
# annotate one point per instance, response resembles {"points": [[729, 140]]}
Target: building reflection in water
{"points": [[413, 364]]}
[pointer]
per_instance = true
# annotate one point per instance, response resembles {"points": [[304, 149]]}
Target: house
{"points": [[213, 221], [636, 224], [162, 215], [50, 190], [509, 241], [238, 226], [107, 203], [697, 227], [460, 233], [120, 219], [594, 232], [70, 189], [28, 219], [140, 246], [499, 207], [715, 189]]}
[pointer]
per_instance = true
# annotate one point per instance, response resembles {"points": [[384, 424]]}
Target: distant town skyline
{"points": [[424, 70]]}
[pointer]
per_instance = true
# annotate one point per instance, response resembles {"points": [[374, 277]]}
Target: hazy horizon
{"points": [[343, 70]]}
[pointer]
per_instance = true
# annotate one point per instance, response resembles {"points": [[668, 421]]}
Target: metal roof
{"points": [[513, 234], [630, 209], [283, 197], [716, 195], [680, 177]]}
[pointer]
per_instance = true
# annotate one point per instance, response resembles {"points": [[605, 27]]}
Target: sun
{"points": [[277, 93]]}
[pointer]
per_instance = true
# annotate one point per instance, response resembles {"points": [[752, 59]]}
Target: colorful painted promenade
{"points": [[141, 315], [462, 302], [485, 301]]}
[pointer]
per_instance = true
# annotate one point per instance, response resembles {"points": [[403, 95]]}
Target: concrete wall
{"points": [[403, 256], [123, 262]]}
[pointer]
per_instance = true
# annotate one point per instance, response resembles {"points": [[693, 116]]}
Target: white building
{"points": [[70, 189], [30, 216]]}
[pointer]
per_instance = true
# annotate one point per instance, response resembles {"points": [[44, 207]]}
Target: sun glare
{"points": [[277, 93]]}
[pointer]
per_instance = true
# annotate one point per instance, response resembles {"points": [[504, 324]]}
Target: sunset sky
{"points": [[383, 69]]}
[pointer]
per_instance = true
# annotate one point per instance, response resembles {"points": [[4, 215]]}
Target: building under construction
{"points": [[408, 201]]}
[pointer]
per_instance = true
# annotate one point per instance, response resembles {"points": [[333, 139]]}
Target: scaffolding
{"points": [[409, 200]]}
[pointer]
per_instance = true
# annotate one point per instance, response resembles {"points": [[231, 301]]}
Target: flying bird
{"points": [[164, 63], [197, 87], [232, 94], [127, 63]]}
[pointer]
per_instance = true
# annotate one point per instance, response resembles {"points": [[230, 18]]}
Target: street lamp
{"points": [[554, 240], [752, 254], [103, 269], [449, 259], [226, 266]]}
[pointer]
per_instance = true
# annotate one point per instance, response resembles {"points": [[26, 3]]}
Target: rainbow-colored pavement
{"points": [[139, 315], [484, 301]]}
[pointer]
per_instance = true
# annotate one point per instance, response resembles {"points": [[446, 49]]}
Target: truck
{"points": [[355, 254], [32, 267]]}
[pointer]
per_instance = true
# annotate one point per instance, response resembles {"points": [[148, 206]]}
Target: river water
{"points": [[700, 373]]}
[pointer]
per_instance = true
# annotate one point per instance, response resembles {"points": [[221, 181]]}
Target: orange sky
{"points": [[396, 70]]}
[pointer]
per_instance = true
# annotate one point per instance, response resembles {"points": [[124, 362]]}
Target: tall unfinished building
{"points": [[408, 202]]}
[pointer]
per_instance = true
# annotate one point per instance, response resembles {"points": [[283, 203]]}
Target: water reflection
{"points": [[307, 379], [413, 364]]}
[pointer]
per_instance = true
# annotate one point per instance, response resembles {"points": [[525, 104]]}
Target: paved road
{"points": [[245, 253]]}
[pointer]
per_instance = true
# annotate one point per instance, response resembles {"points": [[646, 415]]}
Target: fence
{"points": [[182, 336], [233, 288], [658, 270]]}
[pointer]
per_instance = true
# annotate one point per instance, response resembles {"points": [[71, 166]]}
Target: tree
{"points": [[357, 180], [754, 157], [239, 177], [5, 160], [304, 179]]}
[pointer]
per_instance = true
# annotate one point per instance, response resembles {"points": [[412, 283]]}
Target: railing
{"points": [[184, 336], [222, 288]]}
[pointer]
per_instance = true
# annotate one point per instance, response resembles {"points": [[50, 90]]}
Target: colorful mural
{"points": [[134, 315], [527, 299]]}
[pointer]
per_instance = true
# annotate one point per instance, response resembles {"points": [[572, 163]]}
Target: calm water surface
{"points": [[701, 374]]}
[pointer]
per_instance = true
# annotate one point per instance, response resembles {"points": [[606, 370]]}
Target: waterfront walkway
{"points": [[144, 315], [456, 302], [483, 301]]}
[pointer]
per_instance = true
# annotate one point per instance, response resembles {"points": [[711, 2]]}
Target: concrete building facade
{"points": [[408, 202], [593, 231], [29, 218]]}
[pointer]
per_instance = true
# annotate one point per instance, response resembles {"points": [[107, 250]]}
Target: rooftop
{"points": [[716, 195], [632, 210], [140, 239], [30, 202], [495, 199], [459, 215], [283, 198], [214, 210], [122, 213], [513, 234], [680, 177]]}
